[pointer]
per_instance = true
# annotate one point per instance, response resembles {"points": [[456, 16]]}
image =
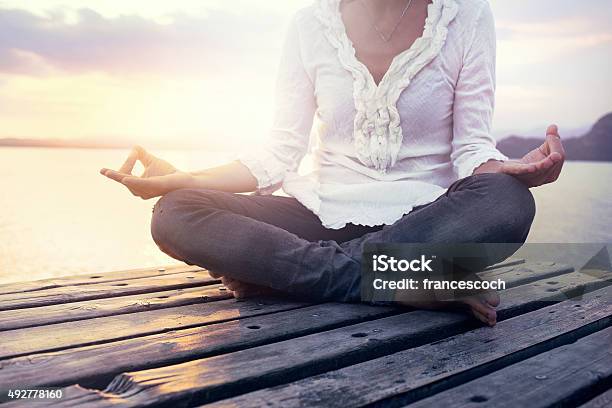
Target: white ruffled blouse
{"points": [[380, 150]]}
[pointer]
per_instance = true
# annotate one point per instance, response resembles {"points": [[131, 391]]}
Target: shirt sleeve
{"points": [[473, 107], [289, 136]]}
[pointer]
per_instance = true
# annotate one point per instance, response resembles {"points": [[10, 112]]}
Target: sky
{"points": [[201, 72]]}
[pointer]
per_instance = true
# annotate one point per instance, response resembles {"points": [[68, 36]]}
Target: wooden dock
{"points": [[174, 337]]}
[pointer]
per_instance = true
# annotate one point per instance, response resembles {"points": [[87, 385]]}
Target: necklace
{"points": [[386, 38]]}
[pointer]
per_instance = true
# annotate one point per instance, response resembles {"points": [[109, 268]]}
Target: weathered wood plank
{"points": [[61, 336], [101, 330], [411, 374], [521, 274], [68, 294], [565, 376], [58, 313], [222, 376], [507, 262], [95, 278], [558, 288], [601, 401], [89, 309], [518, 299], [99, 363]]}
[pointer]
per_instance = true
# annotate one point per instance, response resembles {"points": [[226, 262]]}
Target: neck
{"points": [[383, 7]]}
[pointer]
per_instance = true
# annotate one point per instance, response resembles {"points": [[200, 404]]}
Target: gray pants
{"points": [[276, 242]]}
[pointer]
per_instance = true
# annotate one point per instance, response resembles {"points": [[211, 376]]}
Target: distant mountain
{"points": [[220, 145], [568, 133], [87, 144], [595, 145]]}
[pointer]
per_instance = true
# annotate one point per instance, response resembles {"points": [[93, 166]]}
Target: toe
{"points": [[483, 309], [491, 298], [480, 316]]}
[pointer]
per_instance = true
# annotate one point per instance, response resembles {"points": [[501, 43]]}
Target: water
{"points": [[60, 217]]}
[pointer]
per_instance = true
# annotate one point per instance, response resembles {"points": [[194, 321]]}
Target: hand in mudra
{"points": [[159, 176], [542, 165]]}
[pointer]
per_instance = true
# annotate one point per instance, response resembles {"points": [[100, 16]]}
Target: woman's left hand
{"points": [[540, 166]]}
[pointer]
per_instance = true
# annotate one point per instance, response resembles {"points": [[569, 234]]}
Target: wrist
{"points": [[491, 166], [196, 180], [179, 180]]}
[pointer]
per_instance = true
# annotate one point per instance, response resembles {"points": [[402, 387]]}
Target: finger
{"points": [[557, 171], [542, 177], [516, 168], [129, 163], [115, 175], [145, 157], [553, 173], [544, 164], [555, 145]]}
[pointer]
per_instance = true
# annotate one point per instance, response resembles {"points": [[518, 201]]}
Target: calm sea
{"points": [[58, 216]]}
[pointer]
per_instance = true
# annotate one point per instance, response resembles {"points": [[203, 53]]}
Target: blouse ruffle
{"points": [[377, 133]]}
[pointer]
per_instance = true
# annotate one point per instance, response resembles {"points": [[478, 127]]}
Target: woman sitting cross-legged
{"points": [[403, 93]]}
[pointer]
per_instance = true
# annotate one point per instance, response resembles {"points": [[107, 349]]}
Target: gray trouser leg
{"points": [[242, 237]]}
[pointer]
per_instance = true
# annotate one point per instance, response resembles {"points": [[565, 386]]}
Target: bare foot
{"points": [[482, 306], [242, 290]]}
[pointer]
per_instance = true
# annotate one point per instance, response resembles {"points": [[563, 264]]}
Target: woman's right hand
{"points": [[159, 176], [153, 166]]}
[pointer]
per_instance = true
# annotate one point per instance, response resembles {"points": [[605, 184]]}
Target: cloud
{"points": [[114, 70], [228, 39], [129, 44], [597, 12], [548, 30]]}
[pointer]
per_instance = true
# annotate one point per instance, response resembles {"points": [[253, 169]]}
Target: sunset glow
{"points": [[194, 72]]}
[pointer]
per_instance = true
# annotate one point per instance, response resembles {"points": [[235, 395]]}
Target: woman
{"points": [[403, 94]]}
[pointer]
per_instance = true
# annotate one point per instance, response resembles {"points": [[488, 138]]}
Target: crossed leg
{"points": [[276, 243]]}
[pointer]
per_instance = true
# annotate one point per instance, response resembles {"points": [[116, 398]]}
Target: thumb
{"points": [[144, 187], [515, 168], [139, 182]]}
